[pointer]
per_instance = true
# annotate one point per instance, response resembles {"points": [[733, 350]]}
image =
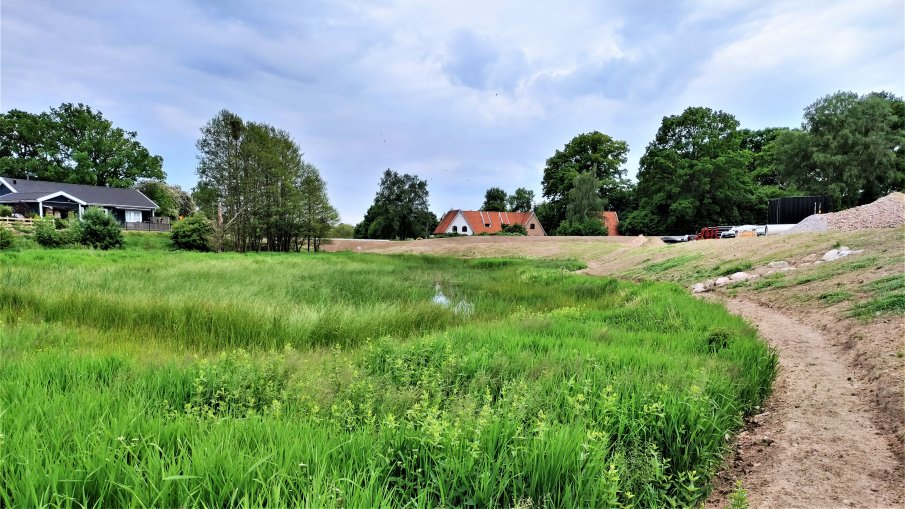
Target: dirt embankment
{"points": [[816, 444]]}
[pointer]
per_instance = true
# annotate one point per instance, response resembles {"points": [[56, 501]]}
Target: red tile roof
{"points": [[444, 223], [484, 221]]}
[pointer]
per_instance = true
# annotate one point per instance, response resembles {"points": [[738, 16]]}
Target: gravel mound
{"points": [[887, 212]]}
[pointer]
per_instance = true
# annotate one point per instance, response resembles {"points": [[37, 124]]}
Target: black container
{"points": [[793, 209]]}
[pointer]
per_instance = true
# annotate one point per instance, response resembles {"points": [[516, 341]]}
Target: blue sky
{"points": [[465, 94]]}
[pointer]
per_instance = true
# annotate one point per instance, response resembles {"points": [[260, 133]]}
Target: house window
{"points": [[455, 229], [464, 229], [532, 226], [486, 225], [133, 216]]}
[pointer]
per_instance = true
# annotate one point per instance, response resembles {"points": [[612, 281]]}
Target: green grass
{"points": [[146, 377], [836, 296], [731, 267], [669, 263], [886, 296]]}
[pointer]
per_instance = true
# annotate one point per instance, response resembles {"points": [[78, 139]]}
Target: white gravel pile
{"points": [[887, 212]]}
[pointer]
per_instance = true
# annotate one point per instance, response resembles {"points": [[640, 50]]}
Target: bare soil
{"points": [[816, 443]]}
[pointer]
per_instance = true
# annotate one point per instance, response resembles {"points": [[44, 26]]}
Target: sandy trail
{"points": [[815, 445]]}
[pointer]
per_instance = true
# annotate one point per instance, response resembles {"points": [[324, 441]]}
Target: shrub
{"points": [[516, 229], [46, 234], [7, 239], [98, 229], [587, 227], [193, 233], [6, 211]]}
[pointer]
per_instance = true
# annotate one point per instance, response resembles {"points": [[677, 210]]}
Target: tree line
{"points": [[702, 169]]}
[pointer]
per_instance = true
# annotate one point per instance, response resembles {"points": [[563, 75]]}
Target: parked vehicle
{"points": [[735, 231]]}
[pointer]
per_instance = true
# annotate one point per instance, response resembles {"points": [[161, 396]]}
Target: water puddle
{"points": [[460, 308]]}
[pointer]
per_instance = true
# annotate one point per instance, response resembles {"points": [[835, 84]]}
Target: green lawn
{"points": [[160, 378]]}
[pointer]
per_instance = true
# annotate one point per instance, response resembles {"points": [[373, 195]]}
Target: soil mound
{"points": [[887, 212]]}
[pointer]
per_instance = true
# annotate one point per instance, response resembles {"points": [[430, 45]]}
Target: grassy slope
{"points": [[120, 382]]}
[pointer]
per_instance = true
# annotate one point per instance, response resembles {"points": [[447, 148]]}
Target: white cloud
{"points": [[466, 93]]}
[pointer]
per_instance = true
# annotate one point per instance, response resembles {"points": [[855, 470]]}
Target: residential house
{"points": [[475, 222], [129, 206]]}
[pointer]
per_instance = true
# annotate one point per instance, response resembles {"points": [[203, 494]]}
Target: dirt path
{"points": [[815, 445]]}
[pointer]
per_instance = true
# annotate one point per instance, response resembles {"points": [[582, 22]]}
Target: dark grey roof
{"points": [[17, 197], [30, 190]]}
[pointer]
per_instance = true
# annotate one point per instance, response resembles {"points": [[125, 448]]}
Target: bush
{"points": [[516, 229], [46, 234], [6, 211], [193, 233], [588, 227], [7, 239], [98, 229]]}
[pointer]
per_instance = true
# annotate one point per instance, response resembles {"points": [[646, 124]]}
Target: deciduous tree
{"points": [[253, 179], [495, 199], [595, 153], [694, 173], [522, 200], [399, 210], [849, 147], [73, 144]]}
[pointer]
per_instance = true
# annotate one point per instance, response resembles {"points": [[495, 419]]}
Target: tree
{"points": [[849, 147], [583, 208], [521, 201], [73, 144], [693, 174], [98, 229], [399, 210], [264, 196], [160, 193], [219, 171], [342, 231], [318, 216], [595, 153], [495, 200]]}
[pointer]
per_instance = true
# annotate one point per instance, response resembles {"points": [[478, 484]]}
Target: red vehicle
{"points": [[708, 232]]}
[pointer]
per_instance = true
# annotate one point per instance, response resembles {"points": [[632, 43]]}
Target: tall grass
{"points": [[334, 380]]}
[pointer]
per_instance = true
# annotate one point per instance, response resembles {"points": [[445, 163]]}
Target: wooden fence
{"points": [[147, 227], [13, 221], [142, 227]]}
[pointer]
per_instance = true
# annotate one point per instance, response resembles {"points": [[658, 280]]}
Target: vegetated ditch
{"points": [[557, 389]]}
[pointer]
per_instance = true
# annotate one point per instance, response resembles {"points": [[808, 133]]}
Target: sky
{"points": [[465, 94]]}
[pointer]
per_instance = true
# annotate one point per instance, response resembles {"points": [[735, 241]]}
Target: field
{"points": [[146, 377]]}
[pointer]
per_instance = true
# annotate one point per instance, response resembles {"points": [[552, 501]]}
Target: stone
{"points": [[811, 258], [831, 255], [739, 276], [782, 264], [698, 288], [721, 281], [709, 284]]}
